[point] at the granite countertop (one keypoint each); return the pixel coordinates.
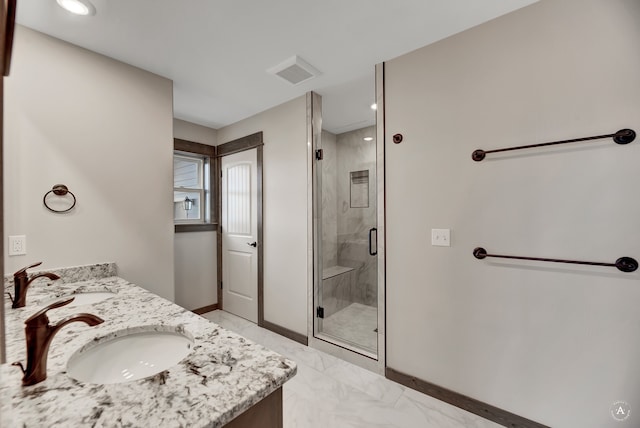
(224, 374)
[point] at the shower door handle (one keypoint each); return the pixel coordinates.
(373, 252)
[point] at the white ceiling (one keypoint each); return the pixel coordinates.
(217, 51)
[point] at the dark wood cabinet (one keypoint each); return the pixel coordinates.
(7, 21)
(267, 413)
(7, 25)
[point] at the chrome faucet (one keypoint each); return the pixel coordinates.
(21, 282)
(39, 334)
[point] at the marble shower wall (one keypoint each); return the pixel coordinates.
(353, 224)
(345, 229)
(337, 285)
(329, 201)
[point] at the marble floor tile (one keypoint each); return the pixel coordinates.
(370, 383)
(329, 392)
(229, 321)
(298, 352)
(416, 408)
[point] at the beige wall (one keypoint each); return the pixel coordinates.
(104, 129)
(554, 343)
(196, 269)
(194, 132)
(285, 209)
(195, 253)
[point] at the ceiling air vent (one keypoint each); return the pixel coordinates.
(294, 70)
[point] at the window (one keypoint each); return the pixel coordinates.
(189, 192)
(193, 187)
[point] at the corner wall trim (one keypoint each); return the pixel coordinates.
(469, 404)
(289, 334)
(206, 309)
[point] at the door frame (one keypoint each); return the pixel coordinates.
(7, 27)
(250, 142)
(314, 225)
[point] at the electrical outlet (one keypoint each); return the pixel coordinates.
(441, 237)
(17, 245)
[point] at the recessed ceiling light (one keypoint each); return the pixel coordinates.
(374, 106)
(368, 138)
(78, 7)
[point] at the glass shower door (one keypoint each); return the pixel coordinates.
(347, 262)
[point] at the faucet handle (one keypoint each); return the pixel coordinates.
(23, 271)
(40, 317)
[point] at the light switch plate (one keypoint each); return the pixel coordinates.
(17, 245)
(441, 237)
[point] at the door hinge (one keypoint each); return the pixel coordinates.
(320, 312)
(319, 154)
(220, 285)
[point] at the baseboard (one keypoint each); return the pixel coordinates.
(289, 334)
(469, 404)
(206, 309)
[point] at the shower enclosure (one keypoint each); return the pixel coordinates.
(346, 297)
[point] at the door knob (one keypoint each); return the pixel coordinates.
(252, 244)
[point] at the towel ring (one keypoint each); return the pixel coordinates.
(59, 190)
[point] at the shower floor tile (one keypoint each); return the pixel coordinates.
(356, 324)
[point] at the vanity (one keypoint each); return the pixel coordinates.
(224, 379)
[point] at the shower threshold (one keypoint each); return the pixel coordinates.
(336, 341)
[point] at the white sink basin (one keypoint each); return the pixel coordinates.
(129, 355)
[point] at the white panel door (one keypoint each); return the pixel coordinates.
(239, 234)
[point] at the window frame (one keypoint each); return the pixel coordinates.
(203, 163)
(208, 153)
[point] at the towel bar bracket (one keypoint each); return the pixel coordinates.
(624, 136)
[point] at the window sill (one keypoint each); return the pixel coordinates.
(182, 228)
